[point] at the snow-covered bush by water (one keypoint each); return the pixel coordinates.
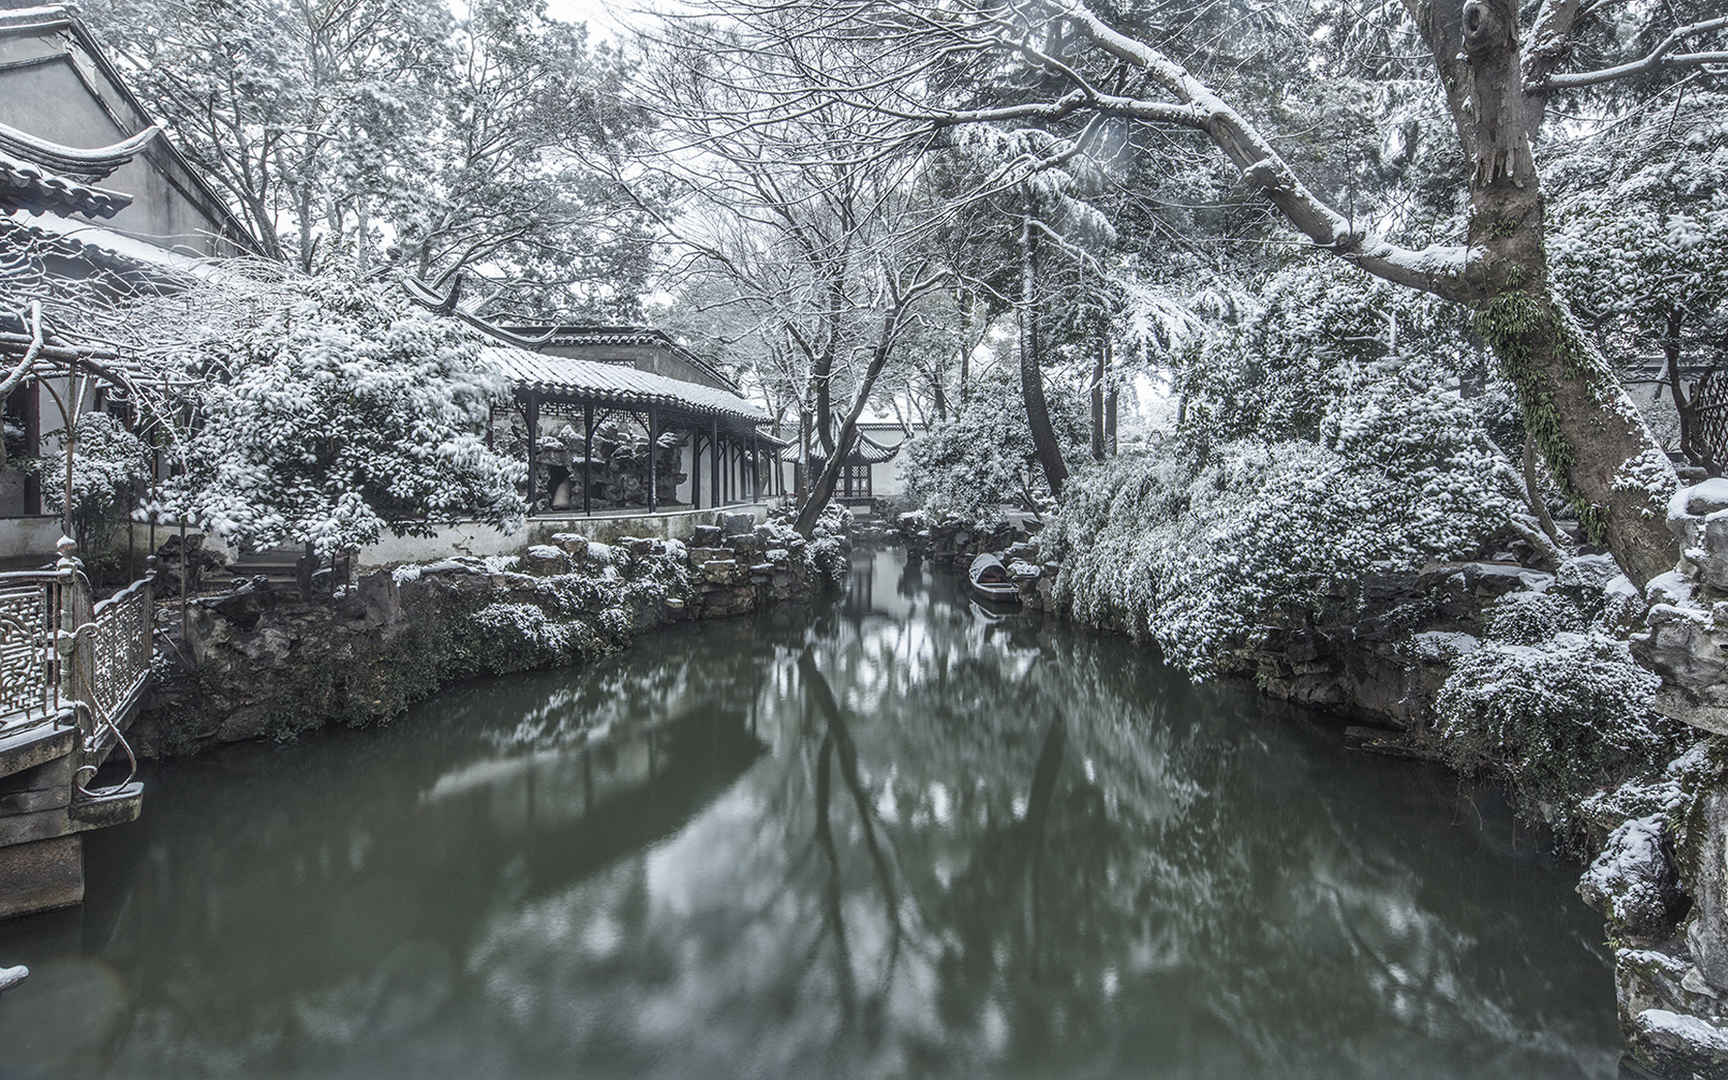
(1559, 718)
(982, 458)
(1303, 466)
(328, 412)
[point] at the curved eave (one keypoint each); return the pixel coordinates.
(867, 451)
(93, 163)
(32, 188)
(627, 399)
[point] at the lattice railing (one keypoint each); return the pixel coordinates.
(29, 615)
(122, 647)
(56, 649)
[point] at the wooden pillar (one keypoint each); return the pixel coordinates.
(695, 469)
(531, 409)
(587, 455)
(32, 444)
(714, 464)
(653, 459)
(755, 469)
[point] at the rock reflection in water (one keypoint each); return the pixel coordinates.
(899, 837)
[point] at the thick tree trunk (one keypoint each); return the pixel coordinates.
(823, 485)
(1588, 429)
(1031, 371)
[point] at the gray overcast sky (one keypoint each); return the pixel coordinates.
(605, 18)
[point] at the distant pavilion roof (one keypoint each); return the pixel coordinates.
(619, 384)
(867, 451)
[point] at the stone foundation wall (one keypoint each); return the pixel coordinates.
(262, 663)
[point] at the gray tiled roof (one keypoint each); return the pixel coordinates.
(618, 384)
(34, 188)
(867, 451)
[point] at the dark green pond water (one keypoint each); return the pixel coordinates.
(1017, 850)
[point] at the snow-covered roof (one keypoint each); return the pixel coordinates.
(34, 188)
(867, 451)
(87, 163)
(80, 239)
(581, 334)
(620, 384)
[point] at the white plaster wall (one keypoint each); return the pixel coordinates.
(31, 536)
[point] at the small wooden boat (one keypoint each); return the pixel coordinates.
(990, 581)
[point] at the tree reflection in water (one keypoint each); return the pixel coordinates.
(897, 837)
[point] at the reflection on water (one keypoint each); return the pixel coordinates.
(902, 837)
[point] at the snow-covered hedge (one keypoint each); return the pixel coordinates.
(328, 412)
(982, 457)
(1196, 557)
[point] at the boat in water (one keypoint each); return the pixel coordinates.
(990, 583)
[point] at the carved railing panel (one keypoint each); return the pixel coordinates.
(122, 647)
(27, 683)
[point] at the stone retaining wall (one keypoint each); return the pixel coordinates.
(262, 663)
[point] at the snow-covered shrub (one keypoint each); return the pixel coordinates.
(1559, 719)
(1633, 881)
(835, 520)
(1530, 618)
(329, 411)
(517, 637)
(982, 457)
(1310, 492)
(107, 460)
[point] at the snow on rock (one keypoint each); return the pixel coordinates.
(1673, 588)
(1440, 645)
(1698, 500)
(1685, 1044)
(1633, 882)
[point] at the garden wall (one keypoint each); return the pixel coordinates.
(261, 662)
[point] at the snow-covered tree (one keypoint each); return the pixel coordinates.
(1640, 246)
(983, 457)
(328, 413)
(1075, 68)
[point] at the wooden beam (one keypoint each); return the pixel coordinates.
(695, 469)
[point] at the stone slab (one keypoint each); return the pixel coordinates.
(41, 876)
